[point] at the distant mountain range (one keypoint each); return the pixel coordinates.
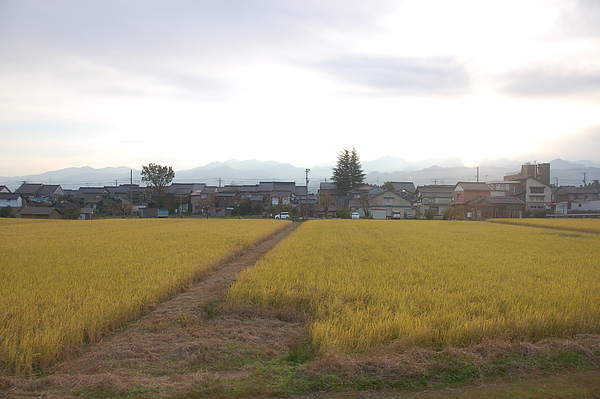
(432, 171)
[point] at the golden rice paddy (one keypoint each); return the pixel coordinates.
(373, 284)
(584, 225)
(64, 283)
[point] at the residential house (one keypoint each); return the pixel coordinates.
(536, 194)
(402, 187)
(433, 198)
(180, 194)
(465, 191)
(128, 198)
(227, 200)
(91, 197)
(578, 207)
(12, 200)
(329, 200)
(278, 193)
(40, 212)
(41, 193)
(482, 208)
(383, 203)
(204, 199)
(28, 190)
(571, 193)
(359, 198)
(505, 188)
(4, 189)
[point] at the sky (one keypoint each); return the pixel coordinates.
(184, 83)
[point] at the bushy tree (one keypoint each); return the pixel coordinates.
(348, 172)
(158, 177)
(6, 212)
(344, 213)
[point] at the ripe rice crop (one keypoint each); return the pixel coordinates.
(429, 283)
(63, 283)
(584, 225)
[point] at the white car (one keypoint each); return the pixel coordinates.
(283, 215)
(355, 215)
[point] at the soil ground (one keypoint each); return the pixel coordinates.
(194, 346)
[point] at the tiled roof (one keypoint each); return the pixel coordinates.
(37, 210)
(28, 188)
(10, 196)
(471, 186)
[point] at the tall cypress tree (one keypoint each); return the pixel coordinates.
(357, 176)
(348, 172)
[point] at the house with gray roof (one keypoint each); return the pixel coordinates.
(435, 199)
(482, 208)
(41, 193)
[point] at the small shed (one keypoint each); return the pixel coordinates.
(86, 213)
(40, 212)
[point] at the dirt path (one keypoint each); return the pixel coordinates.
(187, 341)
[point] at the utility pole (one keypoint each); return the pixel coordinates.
(306, 198)
(131, 193)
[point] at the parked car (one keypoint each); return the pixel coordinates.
(396, 215)
(283, 215)
(355, 215)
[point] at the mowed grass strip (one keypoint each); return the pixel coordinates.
(64, 283)
(582, 225)
(429, 283)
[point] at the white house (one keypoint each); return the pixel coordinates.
(11, 199)
(536, 194)
(578, 206)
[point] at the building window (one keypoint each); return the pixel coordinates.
(536, 190)
(388, 201)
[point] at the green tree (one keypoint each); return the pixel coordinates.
(388, 185)
(348, 172)
(6, 212)
(71, 213)
(158, 177)
(344, 213)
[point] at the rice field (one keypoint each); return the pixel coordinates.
(64, 283)
(372, 284)
(583, 225)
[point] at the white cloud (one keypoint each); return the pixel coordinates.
(187, 83)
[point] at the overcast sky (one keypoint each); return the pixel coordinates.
(183, 83)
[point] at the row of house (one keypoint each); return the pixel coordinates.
(527, 191)
(518, 194)
(36, 200)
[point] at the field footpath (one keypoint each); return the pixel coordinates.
(188, 341)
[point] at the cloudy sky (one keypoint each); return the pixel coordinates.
(183, 83)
